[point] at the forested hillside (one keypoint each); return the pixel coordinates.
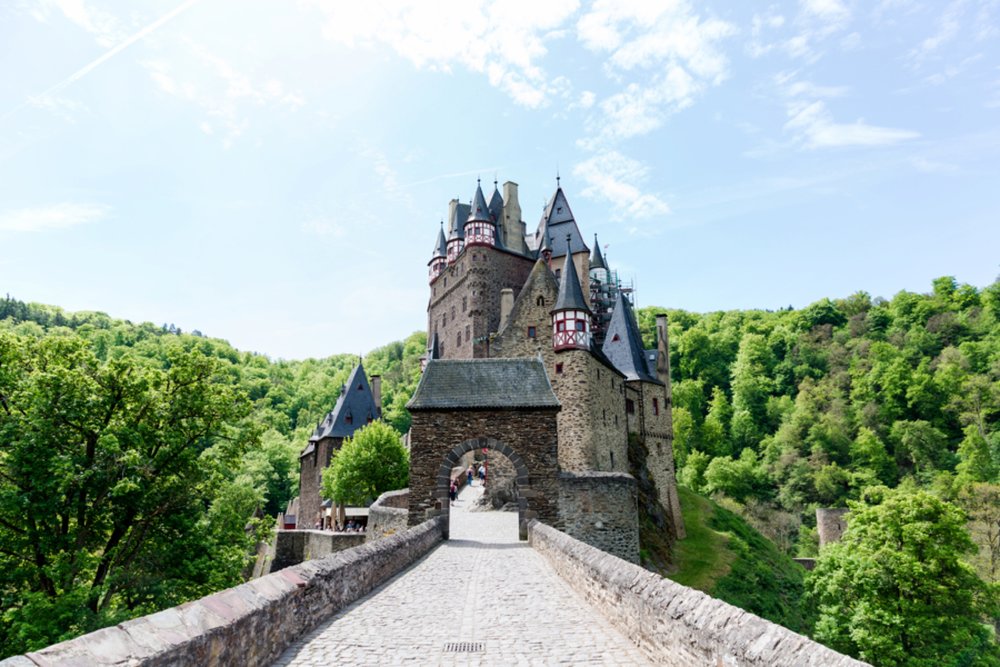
(140, 464)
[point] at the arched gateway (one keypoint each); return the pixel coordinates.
(506, 405)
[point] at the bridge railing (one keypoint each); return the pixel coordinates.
(675, 626)
(251, 624)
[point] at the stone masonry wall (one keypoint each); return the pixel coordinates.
(599, 508)
(311, 468)
(292, 547)
(465, 299)
(830, 524)
(592, 433)
(251, 624)
(527, 437)
(388, 515)
(653, 424)
(676, 626)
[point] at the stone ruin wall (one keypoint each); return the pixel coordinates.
(251, 624)
(599, 508)
(676, 626)
(830, 524)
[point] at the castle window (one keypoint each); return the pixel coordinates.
(559, 369)
(458, 339)
(348, 419)
(540, 301)
(630, 406)
(615, 338)
(465, 305)
(453, 312)
(531, 332)
(360, 387)
(579, 325)
(446, 281)
(558, 273)
(612, 455)
(656, 406)
(467, 335)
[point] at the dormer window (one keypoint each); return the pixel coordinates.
(348, 419)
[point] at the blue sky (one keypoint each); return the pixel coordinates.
(273, 173)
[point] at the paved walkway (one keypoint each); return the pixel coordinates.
(482, 588)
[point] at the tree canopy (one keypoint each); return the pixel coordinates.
(367, 465)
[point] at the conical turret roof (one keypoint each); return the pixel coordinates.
(440, 245)
(623, 343)
(597, 259)
(570, 293)
(480, 212)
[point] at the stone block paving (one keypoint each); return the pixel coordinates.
(481, 588)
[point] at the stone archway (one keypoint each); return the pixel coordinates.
(523, 479)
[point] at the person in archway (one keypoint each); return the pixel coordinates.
(468, 475)
(482, 475)
(453, 492)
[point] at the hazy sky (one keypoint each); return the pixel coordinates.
(273, 173)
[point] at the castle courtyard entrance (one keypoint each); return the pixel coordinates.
(505, 406)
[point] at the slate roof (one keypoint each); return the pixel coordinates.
(652, 356)
(623, 344)
(597, 259)
(496, 204)
(570, 293)
(434, 349)
(456, 226)
(558, 218)
(356, 401)
(479, 212)
(440, 245)
(483, 383)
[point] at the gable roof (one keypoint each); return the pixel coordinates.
(570, 293)
(484, 383)
(540, 279)
(558, 219)
(355, 401)
(623, 343)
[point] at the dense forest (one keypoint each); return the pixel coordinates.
(139, 463)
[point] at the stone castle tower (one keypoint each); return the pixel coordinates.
(499, 292)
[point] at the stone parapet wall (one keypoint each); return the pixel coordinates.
(388, 515)
(292, 547)
(599, 508)
(675, 626)
(251, 624)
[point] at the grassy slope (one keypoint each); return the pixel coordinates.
(726, 558)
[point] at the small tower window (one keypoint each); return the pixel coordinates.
(540, 301)
(630, 406)
(458, 340)
(465, 305)
(348, 419)
(531, 332)
(559, 369)
(468, 335)
(656, 406)
(612, 455)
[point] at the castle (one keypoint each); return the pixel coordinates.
(509, 308)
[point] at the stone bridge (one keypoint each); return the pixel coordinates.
(480, 597)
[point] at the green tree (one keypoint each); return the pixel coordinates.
(895, 590)
(368, 464)
(106, 471)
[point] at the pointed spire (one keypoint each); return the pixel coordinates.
(597, 259)
(480, 212)
(570, 291)
(496, 205)
(440, 245)
(434, 349)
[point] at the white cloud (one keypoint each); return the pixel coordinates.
(107, 29)
(55, 216)
(323, 227)
(948, 27)
(615, 178)
(672, 49)
(224, 93)
(503, 39)
(833, 11)
(813, 126)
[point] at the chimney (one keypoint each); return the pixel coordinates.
(506, 303)
(512, 224)
(377, 394)
(663, 348)
(452, 208)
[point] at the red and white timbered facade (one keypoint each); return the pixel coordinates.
(571, 329)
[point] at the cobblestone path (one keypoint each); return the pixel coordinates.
(480, 587)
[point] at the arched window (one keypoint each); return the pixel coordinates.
(540, 301)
